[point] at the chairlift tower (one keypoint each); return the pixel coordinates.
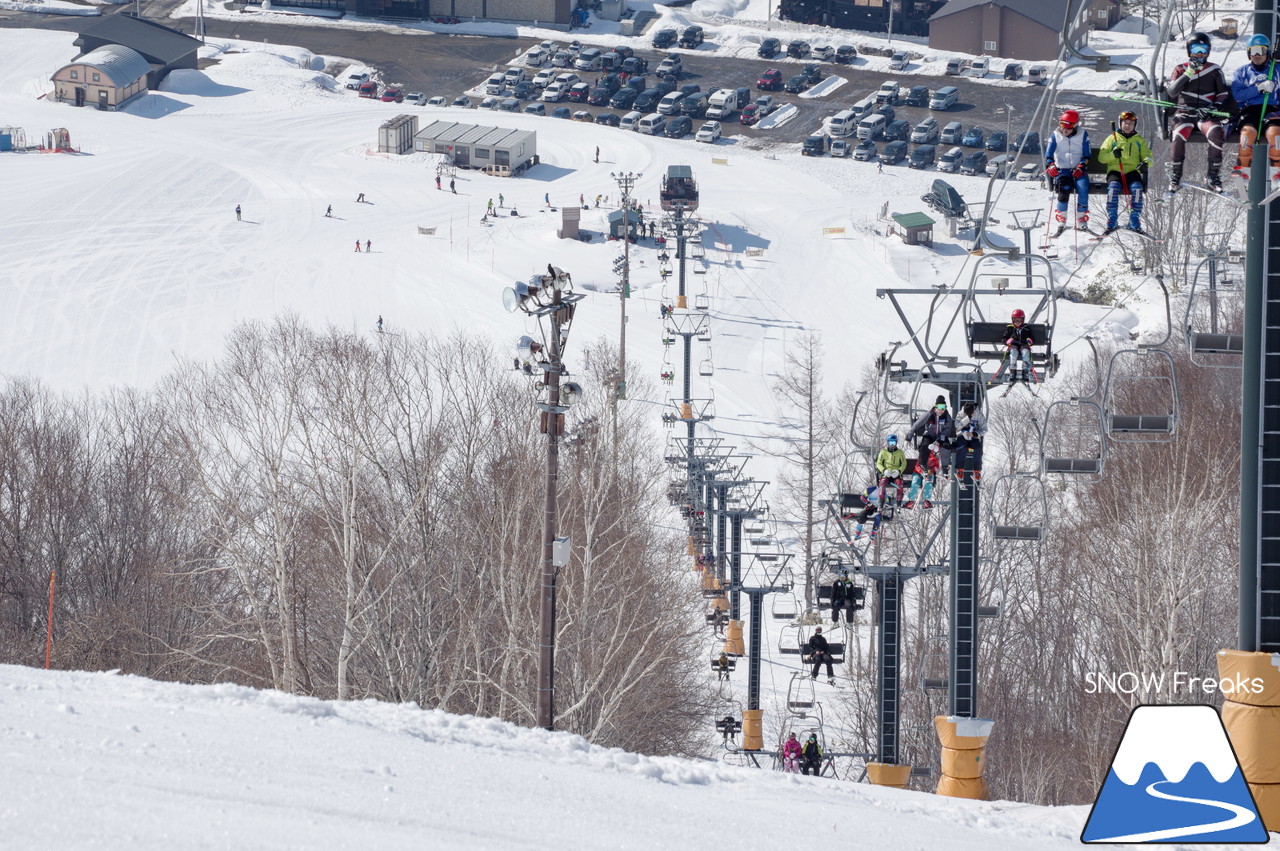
(753, 716)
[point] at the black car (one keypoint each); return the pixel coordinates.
(678, 127)
(633, 65)
(523, 90)
(918, 96)
(974, 163)
(665, 84)
(796, 84)
(898, 130)
(599, 96)
(1013, 71)
(647, 101)
(812, 71)
(612, 82)
(664, 38)
(997, 141)
(769, 48)
(626, 52)
(894, 152)
(1029, 142)
(694, 105)
(691, 37)
(690, 89)
(846, 53)
(799, 49)
(887, 111)
(608, 119)
(623, 98)
(637, 82)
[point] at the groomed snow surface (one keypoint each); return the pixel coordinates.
(101, 761)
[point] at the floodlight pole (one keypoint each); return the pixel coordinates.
(551, 425)
(625, 181)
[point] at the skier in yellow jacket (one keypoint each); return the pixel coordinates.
(891, 463)
(1126, 156)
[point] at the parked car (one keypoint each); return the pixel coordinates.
(630, 120)
(922, 157)
(823, 53)
(691, 37)
(393, 94)
(898, 61)
(813, 71)
(997, 141)
(567, 78)
(690, 89)
(888, 92)
(562, 59)
(798, 49)
(524, 90)
(670, 103)
(952, 134)
(440, 100)
(599, 96)
(555, 93)
(816, 145)
(945, 98)
(647, 101)
(544, 77)
(974, 162)
(1028, 142)
(368, 89)
(415, 98)
(510, 105)
(898, 130)
(1013, 71)
(974, 137)
(581, 115)
(678, 127)
(608, 119)
(1030, 171)
(926, 131)
(894, 152)
(695, 105)
(536, 109)
(513, 76)
(955, 67)
(462, 102)
(612, 82)
(770, 81)
(750, 115)
(885, 110)
(865, 151)
(769, 48)
(1000, 166)
(841, 148)
(491, 102)
(665, 85)
(950, 161)
(579, 92)
(664, 38)
(1037, 75)
(610, 61)
(671, 65)
(560, 112)
(918, 96)
(980, 66)
(766, 104)
(354, 80)
(623, 98)
(623, 50)
(635, 65)
(796, 84)
(846, 53)
(708, 132)
(638, 82)
(1128, 84)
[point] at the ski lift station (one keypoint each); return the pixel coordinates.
(494, 150)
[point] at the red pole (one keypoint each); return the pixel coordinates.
(48, 645)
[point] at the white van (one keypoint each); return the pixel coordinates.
(631, 120)
(537, 58)
(980, 66)
(493, 85)
(652, 124)
(864, 107)
(950, 161)
(872, 127)
(589, 59)
(843, 123)
(670, 103)
(513, 76)
(945, 98)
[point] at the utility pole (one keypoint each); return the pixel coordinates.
(626, 181)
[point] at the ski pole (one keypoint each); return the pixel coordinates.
(1124, 180)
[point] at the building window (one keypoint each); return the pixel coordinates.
(442, 148)
(482, 153)
(75, 75)
(988, 45)
(97, 78)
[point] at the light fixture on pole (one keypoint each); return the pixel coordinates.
(548, 296)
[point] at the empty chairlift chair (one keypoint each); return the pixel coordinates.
(1073, 439)
(701, 301)
(800, 694)
(1019, 508)
(1141, 395)
(784, 607)
(1214, 307)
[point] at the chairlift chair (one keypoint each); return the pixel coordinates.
(706, 369)
(704, 332)
(1073, 439)
(935, 658)
(1019, 508)
(784, 607)
(1143, 424)
(1212, 307)
(800, 694)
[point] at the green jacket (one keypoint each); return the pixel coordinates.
(1120, 153)
(895, 460)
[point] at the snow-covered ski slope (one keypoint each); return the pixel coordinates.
(112, 762)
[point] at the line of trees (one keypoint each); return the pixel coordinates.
(328, 515)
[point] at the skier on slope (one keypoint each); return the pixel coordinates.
(938, 428)
(791, 751)
(1126, 156)
(1018, 342)
(1253, 86)
(1197, 87)
(972, 427)
(924, 473)
(891, 463)
(1065, 159)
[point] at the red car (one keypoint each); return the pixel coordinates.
(393, 94)
(750, 114)
(770, 81)
(368, 89)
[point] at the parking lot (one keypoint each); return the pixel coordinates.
(448, 65)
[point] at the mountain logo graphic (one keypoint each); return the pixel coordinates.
(1174, 778)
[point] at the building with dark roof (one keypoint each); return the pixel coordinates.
(553, 13)
(1013, 29)
(909, 17)
(121, 57)
(494, 150)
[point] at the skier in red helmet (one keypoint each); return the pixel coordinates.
(1065, 158)
(1018, 342)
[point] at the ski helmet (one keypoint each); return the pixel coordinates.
(1127, 115)
(1070, 119)
(1259, 45)
(1018, 316)
(1198, 44)
(892, 440)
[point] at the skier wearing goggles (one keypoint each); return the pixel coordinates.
(1199, 88)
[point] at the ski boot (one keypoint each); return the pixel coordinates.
(926, 504)
(1215, 178)
(911, 503)
(1059, 219)
(1175, 178)
(857, 535)
(1082, 221)
(977, 479)
(960, 480)
(1110, 229)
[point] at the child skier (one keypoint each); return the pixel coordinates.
(1253, 86)
(891, 463)
(1198, 86)
(925, 473)
(972, 427)
(870, 508)
(791, 755)
(1018, 343)
(1126, 156)
(1065, 158)
(938, 428)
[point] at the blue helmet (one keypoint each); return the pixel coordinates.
(1257, 41)
(891, 440)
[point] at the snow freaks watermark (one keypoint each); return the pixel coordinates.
(1175, 683)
